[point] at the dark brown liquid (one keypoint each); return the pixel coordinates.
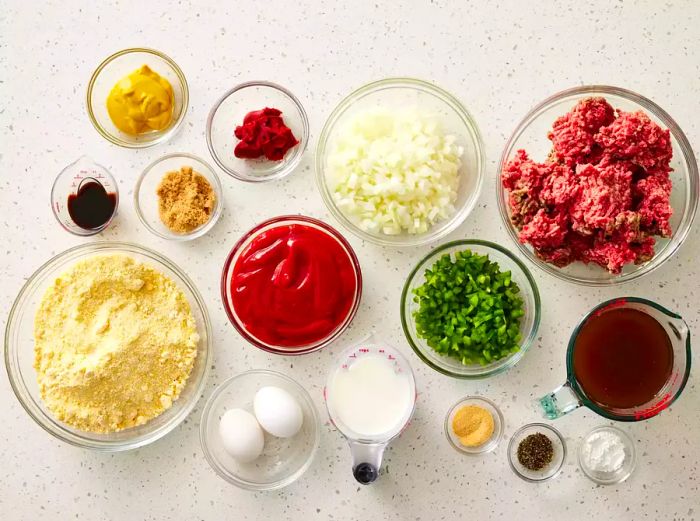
(92, 206)
(622, 358)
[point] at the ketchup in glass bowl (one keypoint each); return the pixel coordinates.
(291, 285)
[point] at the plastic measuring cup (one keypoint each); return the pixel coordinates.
(367, 450)
(68, 182)
(570, 395)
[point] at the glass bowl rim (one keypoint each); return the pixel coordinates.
(54, 187)
(553, 431)
(494, 440)
(677, 133)
(164, 135)
(302, 219)
(242, 483)
(460, 214)
(51, 425)
(629, 444)
(284, 170)
(526, 343)
(197, 232)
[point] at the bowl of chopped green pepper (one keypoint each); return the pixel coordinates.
(470, 309)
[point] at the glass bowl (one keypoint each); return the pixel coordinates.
(19, 350)
(498, 425)
(283, 460)
(228, 112)
(621, 474)
(113, 69)
(455, 119)
(531, 135)
(246, 239)
(68, 182)
(146, 199)
(555, 466)
(528, 324)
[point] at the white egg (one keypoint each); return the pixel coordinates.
(278, 412)
(241, 435)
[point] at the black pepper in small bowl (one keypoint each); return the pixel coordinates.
(536, 452)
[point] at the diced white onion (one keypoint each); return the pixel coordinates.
(395, 171)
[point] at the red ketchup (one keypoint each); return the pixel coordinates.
(293, 285)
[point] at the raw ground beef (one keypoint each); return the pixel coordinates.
(603, 193)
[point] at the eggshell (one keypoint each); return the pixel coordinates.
(278, 412)
(241, 435)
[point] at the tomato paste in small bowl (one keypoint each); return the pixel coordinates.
(291, 285)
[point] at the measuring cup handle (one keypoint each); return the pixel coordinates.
(559, 402)
(366, 460)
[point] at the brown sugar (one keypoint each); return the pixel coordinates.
(186, 200)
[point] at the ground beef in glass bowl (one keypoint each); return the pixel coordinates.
(598, 185)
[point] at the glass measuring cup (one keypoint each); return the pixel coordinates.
(367, 450)
(69, 181)
(570, 395)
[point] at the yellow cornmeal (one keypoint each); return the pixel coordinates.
(115, 341)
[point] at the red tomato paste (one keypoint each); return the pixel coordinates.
(263, 133)
(293, 285)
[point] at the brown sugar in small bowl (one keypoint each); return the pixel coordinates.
(146, 198)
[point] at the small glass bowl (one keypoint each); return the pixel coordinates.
(555, 466)
(531, 135)
(68, 182)
(19, 350)
(227, 274)
(395, 93)
(621, 474)
(528, 324)
(146, 199)
(228, 112)
(283, 460)
(113, 69)
(498, 424)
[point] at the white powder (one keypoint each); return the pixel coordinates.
(604, 451)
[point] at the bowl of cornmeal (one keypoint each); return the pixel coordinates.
(107, 346)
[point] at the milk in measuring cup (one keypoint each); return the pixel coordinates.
(370, 397)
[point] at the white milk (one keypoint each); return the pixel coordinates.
(369, 397)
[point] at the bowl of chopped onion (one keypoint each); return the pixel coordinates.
(400, 162)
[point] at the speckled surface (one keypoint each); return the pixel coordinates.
(499, 60)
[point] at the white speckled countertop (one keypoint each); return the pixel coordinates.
(499, 58)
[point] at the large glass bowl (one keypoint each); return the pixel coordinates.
(19, 351)
(239, 247)
(113, 69)
(396, 93)
(531, 135)
(528, 323)
(283, 460)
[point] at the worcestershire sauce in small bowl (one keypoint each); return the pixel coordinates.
(622, 358)
(91, 206)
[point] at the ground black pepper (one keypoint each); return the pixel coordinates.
(535, 452)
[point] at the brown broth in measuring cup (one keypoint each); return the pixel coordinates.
(622, 358)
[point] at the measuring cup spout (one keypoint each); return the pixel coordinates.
(559, 402)
(366, 460)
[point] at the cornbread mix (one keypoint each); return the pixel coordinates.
(115, 341)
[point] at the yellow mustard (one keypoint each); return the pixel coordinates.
(141, 102)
